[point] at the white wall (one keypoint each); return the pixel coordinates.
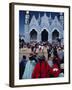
(4, 46)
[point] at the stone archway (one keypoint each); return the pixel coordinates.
(33, 35)
(44, 35)
(55, 34)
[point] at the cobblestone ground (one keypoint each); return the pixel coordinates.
(27, 51)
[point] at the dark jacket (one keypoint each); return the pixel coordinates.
(22, 68)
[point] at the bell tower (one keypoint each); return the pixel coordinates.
(62, 19)
(27, 17)
(26, 27)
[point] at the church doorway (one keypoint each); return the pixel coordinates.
(44, 35)
(33, 35)
(55, 35)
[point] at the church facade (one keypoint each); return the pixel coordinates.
(43, 28)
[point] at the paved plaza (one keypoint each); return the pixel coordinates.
(27, 51)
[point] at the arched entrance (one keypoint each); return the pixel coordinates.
(33, 35)
(44, 35)
(55, 35)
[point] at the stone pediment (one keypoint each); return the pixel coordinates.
(44, 20)
(33, 21)
(56, 23)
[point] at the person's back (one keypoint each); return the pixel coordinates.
(55, 51)
(60, 54)
(50, 60)
(32, 48)
(22, 66)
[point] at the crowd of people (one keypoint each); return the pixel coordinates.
(38, 66)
